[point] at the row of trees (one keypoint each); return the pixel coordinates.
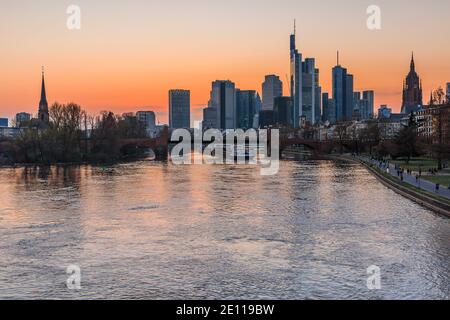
(407, 143)
(74, 136)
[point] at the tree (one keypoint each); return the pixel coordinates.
(438, 97)
(407, 139)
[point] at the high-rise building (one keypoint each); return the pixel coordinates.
(358, 106)
(305, 88)
(43, 105)
(342, 93)
(369, 104)
(310, 91)
(283, 110)
(266, 118)
(318, 99)
(296, 80)
(246, 107)
(148, 118)
(223, 99)
(22, 118)
(328, 109)
(179, 109)
(412, 90)
(209, 118)
(272, 88)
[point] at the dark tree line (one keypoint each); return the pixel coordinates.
(73, 136)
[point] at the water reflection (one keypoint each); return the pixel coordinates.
(154, 230)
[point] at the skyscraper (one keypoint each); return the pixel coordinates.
(369, 104)
(412, 90)
(358, 106)
(305, 88)
(310, 91)
(246, 107)
(328, 109)
(283, 112)
(43, 105)
(296, 80)
(179, 108)
(223, 100)
(318, 99)
(342, 93)
(272, 88)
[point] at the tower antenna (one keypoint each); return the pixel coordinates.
(337, 58)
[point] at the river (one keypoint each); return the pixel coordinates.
(151, 230)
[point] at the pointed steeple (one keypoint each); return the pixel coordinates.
(413, 66)
(43, 105)
(43, 95)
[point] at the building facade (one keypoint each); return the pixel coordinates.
(342, 93)
(368, 108)
(296, 80)
(272, 88)
(148, 118)
(283, 109)
(223, 100)
(412, 90)
(22, 118)
(247, 106)
(179, 109)
(328, 109)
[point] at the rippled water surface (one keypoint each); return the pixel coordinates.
(158, 231)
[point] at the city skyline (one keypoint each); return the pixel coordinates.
(126, 80)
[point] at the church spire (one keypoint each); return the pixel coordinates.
(43, 95)
(413, 66)
(43, 105)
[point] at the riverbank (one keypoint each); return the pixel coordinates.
(431, 201)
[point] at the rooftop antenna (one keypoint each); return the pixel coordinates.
(295, 27)
(337, 56)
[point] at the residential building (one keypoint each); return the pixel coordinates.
(3, 122)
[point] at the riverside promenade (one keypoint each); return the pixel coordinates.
(418, 190)
(411, 179)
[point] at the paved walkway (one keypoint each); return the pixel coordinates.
(411, 179)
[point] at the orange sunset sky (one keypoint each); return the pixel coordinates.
(128, 54)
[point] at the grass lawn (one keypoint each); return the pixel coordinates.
(444, 181)
(416, 163)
